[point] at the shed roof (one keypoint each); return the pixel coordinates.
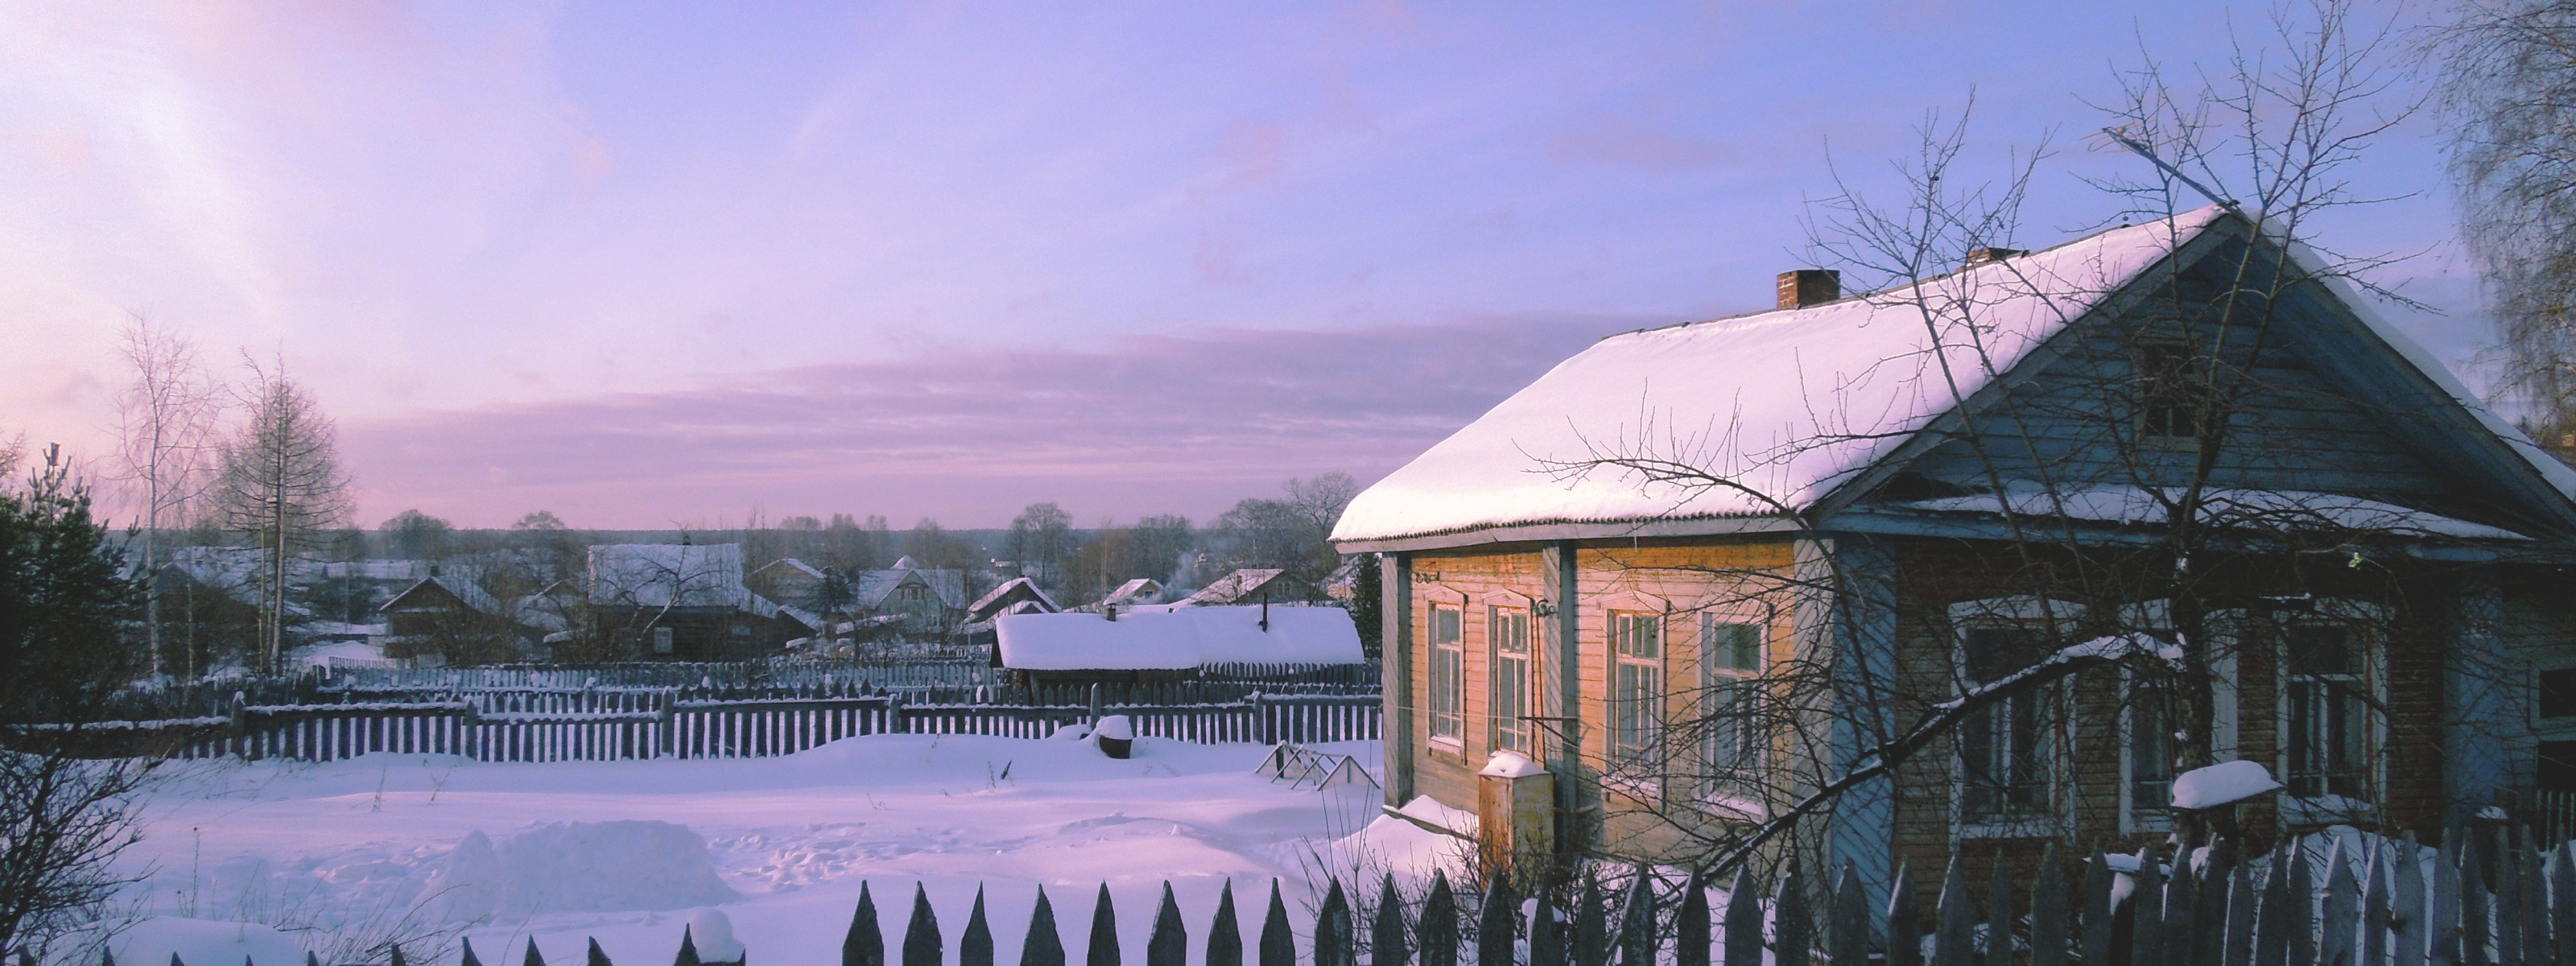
(1177, 640)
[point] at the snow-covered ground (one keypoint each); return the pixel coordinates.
(562, 852)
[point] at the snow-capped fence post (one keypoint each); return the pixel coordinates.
(1261, 719)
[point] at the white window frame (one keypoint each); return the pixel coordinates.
(1720, 786)
(2370, 622)
(1500, 727)
(2056, 815)
(2149, 617)
(1454, 716)
(1658, 613)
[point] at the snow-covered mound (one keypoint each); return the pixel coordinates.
(578, 867)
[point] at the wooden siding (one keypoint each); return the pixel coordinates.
(2075, 420)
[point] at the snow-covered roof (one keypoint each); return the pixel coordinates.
(1787, 405)
(1234, 587)
(460, 586)
(791, 563)
(672, 575)
(1181, 639)
(1011, 588)
(1134, 590)
(870, 587)
(1790, 403)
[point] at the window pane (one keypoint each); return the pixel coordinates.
(1511, 702)
(1996, 652)
(1735, 647)
(2150, 749)
(2557, 693)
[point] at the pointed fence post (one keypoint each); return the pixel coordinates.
(2048, 919)
(1103, 950)
(532, 959)
(2342, 911)
(1793, 931)
(1591, 926)
(2238, 946)
(2303, 907)
(2182, 909)
(2474, 902)
(1999, 917)
(1168, 943)
(2527, 862)
(2208, 940)
(1225, 936)
(1435, 932)
(1743, 940)
(1847, 935)
(1501, 911)
(1546, 933)
(1386, 931)
(1954, 932)
(2272, 914)
(1043, 945)
(975, 948)
(2373, 943)
(2098, 910)
(921, 942)
(1278, 943)
(2443, 926)
(2507, 901)
(1904, 919)
(2408, 915)
(1333, 940)
(688, 950)
(2562, 904)
(2147, 916)
(1636, 942)
(1691, 923)
(864, 945)
(597, 957)
(467, 960)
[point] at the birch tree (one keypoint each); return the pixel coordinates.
(281, 484)
(167, 447)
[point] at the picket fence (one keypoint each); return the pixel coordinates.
(2503, 905)
(757, 727)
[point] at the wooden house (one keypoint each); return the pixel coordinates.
(450, 619)
(929, 601)
(1018, 595)
(682, 603)
(1698, 572)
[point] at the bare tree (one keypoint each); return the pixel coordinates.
(166, 430)
(2123, 517)
(1042, 535)
(281, 484)
(2509, 89)
(1295, 533)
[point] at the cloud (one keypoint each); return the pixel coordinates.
(1148, 424)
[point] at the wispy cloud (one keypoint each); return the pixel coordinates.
(1147, 424)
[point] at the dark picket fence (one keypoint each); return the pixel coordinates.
(736, 728)
(2490, 902)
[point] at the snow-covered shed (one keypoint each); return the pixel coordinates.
(1008, 597)
(1175, 643)
(1935, 484)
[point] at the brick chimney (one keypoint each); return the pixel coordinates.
(1809, 286)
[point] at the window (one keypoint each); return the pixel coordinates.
(2332, 729)
(1448, 678)
(1509, 628)
(1734, 734)
(2149, 704)
(2166, 402)
(1636, 683)
(2007, 752)
(2556, 694)
(661, 640)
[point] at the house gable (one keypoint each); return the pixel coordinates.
(2325, 407)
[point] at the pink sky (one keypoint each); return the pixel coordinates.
(641, 265)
